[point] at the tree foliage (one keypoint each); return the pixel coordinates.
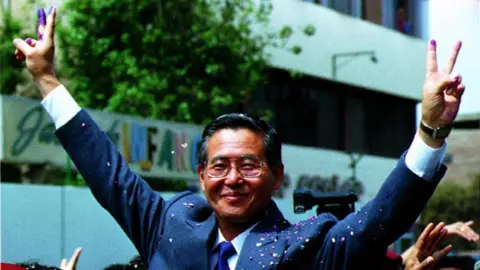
(11, 70)
(178, 60)
(454, 202)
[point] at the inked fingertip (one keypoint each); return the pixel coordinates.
(433, 42)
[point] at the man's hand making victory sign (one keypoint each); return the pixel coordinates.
(39, 54)
(441, 92)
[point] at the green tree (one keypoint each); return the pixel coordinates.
(454, 202)
(11, 70)
(180, 60)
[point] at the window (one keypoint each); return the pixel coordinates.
(372, 11)
(355, 125)
(350, 7)
(403, 17)
(320, 113)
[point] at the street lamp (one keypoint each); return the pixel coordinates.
(350, 55)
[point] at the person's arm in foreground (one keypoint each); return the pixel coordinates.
(128, 198)
(410, 185)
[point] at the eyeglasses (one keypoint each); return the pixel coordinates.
(248, 166)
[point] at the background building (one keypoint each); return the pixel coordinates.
(361, 83)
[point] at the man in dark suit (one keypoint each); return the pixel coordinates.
(239, 166)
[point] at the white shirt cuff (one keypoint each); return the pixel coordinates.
(60, 105)
(423, 160)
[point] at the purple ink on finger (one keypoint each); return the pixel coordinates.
(42, 22)
(42, 17)
(50, 10)
(433, 42)
(29, 41)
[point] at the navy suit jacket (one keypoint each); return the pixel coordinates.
(179, 233)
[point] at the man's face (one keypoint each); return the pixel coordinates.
(236, 197)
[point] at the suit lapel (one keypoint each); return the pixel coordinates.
(199, 244)
(263, 245)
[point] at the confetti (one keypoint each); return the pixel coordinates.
(108, 164)
(342, 239)
(262, 254)
(333, 240)
(351, 233)
(173, 215)
(184, 145)
(189, 205)
(170, 240)
(259, 244)
(83, 124)
(173, 152)
(360, 221)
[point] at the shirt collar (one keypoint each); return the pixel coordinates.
(238, 241)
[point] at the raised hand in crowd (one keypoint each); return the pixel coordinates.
(72, 263)
(463, 230)
(422, 255)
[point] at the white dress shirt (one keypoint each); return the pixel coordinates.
(421, 159)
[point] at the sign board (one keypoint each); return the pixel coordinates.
(152, 148)
(167, 150)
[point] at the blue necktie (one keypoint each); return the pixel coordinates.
(226, 251)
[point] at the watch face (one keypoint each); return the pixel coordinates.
(442, 132)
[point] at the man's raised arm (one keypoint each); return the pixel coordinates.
(129, 199)
(410, 185)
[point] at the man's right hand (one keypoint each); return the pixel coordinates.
(39, 56)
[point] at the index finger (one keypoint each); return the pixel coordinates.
(41, 23)
(73, 261)
(432, 66)
(421, 239)
(469, 223)
(50, 28)
(453, 57)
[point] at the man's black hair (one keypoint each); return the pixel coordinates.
(273, 146)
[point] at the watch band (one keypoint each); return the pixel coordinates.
(436, 133)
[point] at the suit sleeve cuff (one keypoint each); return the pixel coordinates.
(60, 105)
(423, 160)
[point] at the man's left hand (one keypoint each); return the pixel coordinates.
(441, 93)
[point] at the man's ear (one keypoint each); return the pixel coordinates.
(200, 176)
(277, 172)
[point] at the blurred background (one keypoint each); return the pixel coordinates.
(340, 80)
